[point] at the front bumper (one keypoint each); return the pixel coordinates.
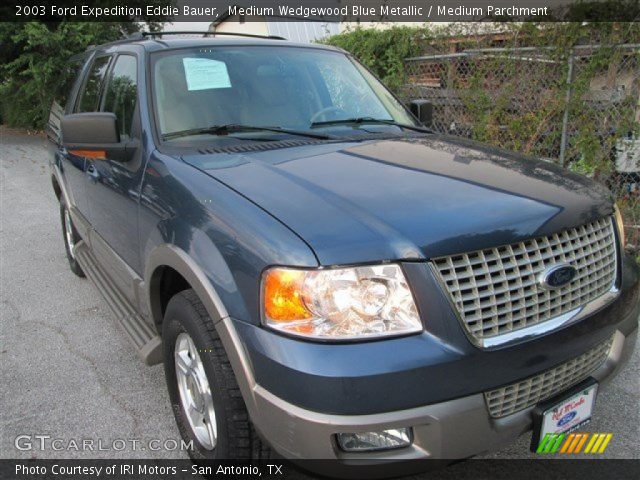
(452, 429)
(300, 394)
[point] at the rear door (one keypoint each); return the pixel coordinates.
(114, 187)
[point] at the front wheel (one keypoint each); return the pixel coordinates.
(204, 394)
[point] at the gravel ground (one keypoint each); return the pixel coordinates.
(67, 371)
(66, 368)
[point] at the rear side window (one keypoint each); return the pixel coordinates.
(93, 84)
(121, 93)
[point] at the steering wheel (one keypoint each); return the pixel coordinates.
(323, 111)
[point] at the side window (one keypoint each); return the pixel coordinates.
(91, 91)
(121, 94)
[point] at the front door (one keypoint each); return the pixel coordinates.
(73, 167)
(114, 185)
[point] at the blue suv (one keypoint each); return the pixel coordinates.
(321, 275)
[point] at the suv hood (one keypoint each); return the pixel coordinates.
(410, 198)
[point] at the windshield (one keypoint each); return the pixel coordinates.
(293, 88)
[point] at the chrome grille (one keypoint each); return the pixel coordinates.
(496, 291)
(520, 395)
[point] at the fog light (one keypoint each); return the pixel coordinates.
(369, 441)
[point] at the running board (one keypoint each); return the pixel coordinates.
(147, 342)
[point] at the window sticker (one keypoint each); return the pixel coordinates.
(204, 73)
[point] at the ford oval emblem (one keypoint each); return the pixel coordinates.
(566, 419)
(557, 276)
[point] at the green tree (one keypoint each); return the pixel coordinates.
(33, 67)
(33, 58)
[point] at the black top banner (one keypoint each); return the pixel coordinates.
(323, 10)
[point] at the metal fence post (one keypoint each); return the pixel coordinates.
(565, 117)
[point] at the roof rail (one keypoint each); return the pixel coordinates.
(209, 33)
(130, 38)
(135, 36)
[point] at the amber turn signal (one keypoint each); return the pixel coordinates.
(97, 154)
(620, 225)
(283, 295)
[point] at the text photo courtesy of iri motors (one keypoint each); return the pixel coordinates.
(310, 239)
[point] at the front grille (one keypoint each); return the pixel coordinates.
(520, 395)
(497, 291)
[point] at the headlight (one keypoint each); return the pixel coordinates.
(339, 304)
(620, 225)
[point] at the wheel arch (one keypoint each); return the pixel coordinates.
(169, 260)
(168, 256)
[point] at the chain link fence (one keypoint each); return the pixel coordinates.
(578, 107)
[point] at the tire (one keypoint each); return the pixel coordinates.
(235, 437)
(71, 237)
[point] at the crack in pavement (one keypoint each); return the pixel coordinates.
(94, 366)
(14, 316)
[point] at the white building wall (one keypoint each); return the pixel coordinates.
(233, 24)
(303, 32)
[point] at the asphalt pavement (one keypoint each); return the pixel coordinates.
(67, 371)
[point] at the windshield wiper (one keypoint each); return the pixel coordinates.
(234, 127)
(361, 120)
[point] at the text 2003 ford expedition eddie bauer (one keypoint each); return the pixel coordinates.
(321, 275)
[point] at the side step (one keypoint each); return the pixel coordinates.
(147, 342)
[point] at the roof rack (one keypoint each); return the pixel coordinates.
(142, 35)
(130, 38)
(209, 33)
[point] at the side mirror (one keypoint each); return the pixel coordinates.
(423, 110)
(95, 135)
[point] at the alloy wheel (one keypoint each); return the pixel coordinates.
(195, 393)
